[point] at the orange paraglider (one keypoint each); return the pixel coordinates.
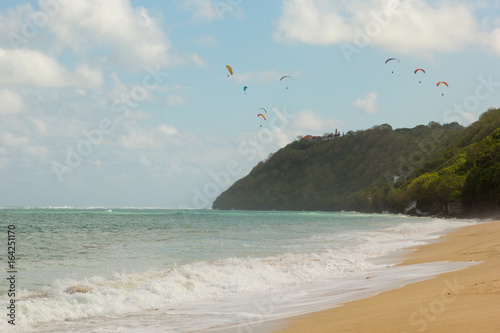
(442, 82)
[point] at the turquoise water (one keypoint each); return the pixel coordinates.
(81, 266)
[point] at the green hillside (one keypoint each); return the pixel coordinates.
(379, 169)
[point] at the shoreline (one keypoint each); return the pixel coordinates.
(466, 300)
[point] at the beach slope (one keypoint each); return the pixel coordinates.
(467, 300)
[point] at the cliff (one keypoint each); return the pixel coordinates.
(380, 169)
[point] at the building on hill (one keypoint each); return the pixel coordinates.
(325, 137)
(306, 138)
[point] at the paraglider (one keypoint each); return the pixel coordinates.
(264, 110)
(445, 83)
(229, 69)
(245, 89)
(261, 115)
(419, 69)
(390, 59)
(286, 77)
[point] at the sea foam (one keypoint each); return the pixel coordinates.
(317, 270)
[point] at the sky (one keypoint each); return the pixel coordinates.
(127, 103)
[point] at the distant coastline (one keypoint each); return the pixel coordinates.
(429, 170)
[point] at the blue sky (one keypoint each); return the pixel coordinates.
(129, 104)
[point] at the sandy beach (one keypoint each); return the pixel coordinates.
(467, 300)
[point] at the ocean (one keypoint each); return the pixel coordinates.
(165, 270)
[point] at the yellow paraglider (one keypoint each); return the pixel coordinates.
(445, 83)
(229, 69)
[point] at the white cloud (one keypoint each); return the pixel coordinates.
(415, 27)
(88, 77)
(310, 122)
(98, 34)
(175, 100)
(29, 68)
(210, 10)
(145, 161)
(10, 140)
(492, 41)
(80, 92)
(132, 35)
(469, 118)
(169, 130)
(39, 125)
(187, 59)
(368, 104)
(37, 152)
(137, 137)
(138, 141)
(11, 102)
(312, 22)
(202, 9)
(429, 27)
(14, 27)
(281, 138)
(176, 95)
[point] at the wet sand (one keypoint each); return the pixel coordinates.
(467, 300)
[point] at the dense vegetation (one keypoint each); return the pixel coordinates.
(380, 169)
